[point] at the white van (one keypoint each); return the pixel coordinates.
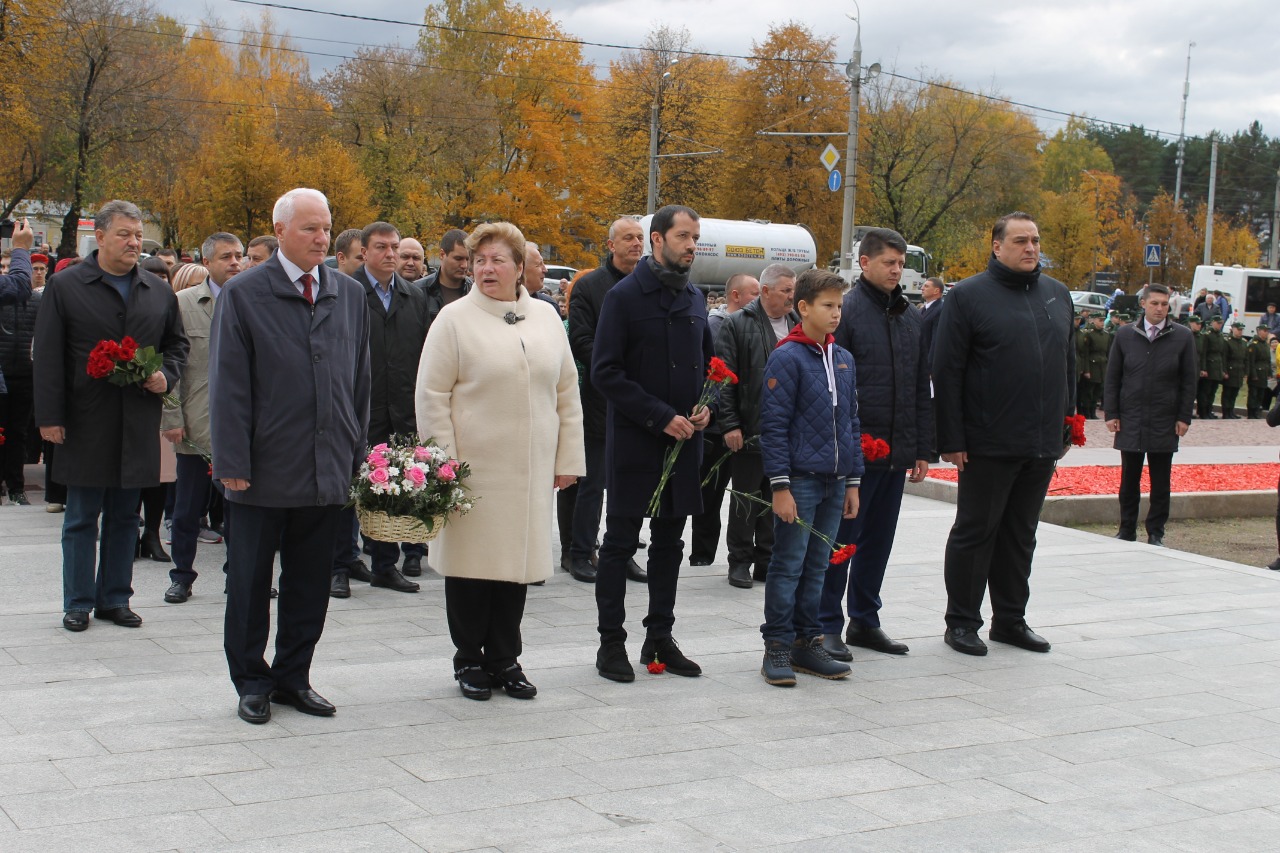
(1248, 288)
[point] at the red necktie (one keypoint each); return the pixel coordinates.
(306, 287)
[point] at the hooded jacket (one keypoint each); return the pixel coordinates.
(809, 412)
(1004, 365)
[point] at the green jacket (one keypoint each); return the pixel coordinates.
(1212, 350)
(1258, 366)
(1237, 361)
(1097, 347)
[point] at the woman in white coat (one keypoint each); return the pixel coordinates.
(498, 389)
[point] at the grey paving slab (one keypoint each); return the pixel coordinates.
(1151, 726)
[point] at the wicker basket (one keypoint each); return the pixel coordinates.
(396, 528)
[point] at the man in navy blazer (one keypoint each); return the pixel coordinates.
(289, 405)
(650, 357)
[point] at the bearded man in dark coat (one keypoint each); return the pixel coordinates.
(652, 349)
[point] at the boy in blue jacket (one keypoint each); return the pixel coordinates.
(809, 437)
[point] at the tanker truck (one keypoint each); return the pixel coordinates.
(727, 247)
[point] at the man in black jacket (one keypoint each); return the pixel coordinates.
(1004, 372)
(1149, 390)
(450, 282)
(626, 246)
(884, 333)
(20, 300)
(397, 327)
(744, 342)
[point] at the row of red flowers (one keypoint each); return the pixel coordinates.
(1105, 479)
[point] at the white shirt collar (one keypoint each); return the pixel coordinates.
(295, 272)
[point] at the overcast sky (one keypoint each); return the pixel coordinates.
(1121, 61)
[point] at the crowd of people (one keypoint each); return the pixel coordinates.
(286, 370)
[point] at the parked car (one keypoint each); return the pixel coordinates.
(1089, 299)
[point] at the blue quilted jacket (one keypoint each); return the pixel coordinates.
(801, 432)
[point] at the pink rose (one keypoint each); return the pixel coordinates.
(447, 473)
(380, 448)
(421, 454)
(416, 475)
(379, 476)
(377, 460)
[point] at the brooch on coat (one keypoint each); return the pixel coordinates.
(512, 318)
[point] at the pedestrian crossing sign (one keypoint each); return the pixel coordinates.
(1153, 254)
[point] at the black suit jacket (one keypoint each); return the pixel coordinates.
(396, 335)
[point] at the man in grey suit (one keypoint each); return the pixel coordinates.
(289, 399)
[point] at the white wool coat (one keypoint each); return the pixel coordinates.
(503, 398)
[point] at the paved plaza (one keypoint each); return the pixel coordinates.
(1154, 724)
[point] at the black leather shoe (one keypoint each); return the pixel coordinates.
(122, 616)
(339, 586)
(635, 572)
(274, 593)
(667, 651)
(177, 593)
(873, 638)
(358, 571)
(1157, 541)
(582, 570)
(612, 663)
(78, 620)
(740, 576)
(306, 700)
(412, 567)
(1125, 536)
(965, 640)
(512, 680)
(394, 580)
(1274, 566)
(1019, 635)
(474, 683)
(254, 708)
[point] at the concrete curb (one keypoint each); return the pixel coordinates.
(1092, 509)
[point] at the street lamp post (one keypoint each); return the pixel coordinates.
(1182, 130)
(652, 203)
(854, 70)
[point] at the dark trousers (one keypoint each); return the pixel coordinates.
(1082, 397)
(191, 496)
(566, 500)
(1229, 395)
(750, 534)
(666, 550)
(484, 621)
(857, 581)
(705, 537)
(1257, 404)
(15, 416)
(586, 512)
(385, 556)
(1205, 391)
(305, 537)
(54, 493)
(1088, 402)
(111, 586)
(1161, 467)
(994, 537)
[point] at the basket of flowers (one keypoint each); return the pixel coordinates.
(407, 492)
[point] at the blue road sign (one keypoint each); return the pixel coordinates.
(833, 180)
(1153, 254)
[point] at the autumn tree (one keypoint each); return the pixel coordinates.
(28, 52)
(1079, 227)
(1068, 153)
(694, 94)
(939, 162)
(790, 84)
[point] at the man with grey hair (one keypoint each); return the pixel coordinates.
(289, 398)
(187, 425)
(109, 434)
(744, 342)
(535, 272)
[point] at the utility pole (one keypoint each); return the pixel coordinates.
(854, 70)
(1275, 227)
(1182, 130)
(1208, 214)
(652, 203)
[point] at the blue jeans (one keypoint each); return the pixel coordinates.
(793, 587)
(111, 586)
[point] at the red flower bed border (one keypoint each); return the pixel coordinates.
(1105, 479)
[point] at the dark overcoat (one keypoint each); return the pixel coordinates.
(1150, 385)
(112, 432)
(396, 335)
(584, 316)
(289, 387)
(650, 358)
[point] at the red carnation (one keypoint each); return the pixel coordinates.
(100, 361)
(1076, 424)
(720, 373)
(128, 348)
(842, 554)
(657, 667)
(874, 448)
